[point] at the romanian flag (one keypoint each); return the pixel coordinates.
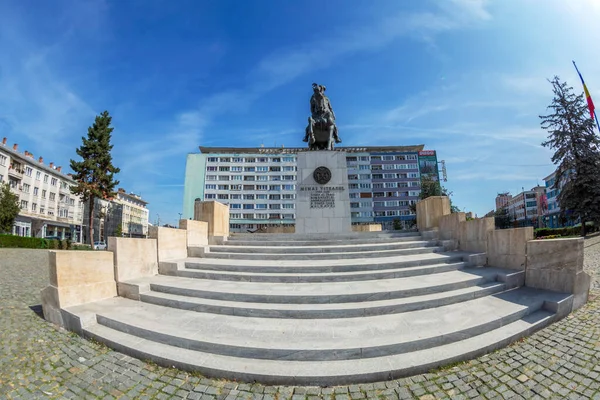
(587, 93)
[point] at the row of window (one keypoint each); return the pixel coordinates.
(251, 159)
(368, 195)
(249, 196)
(62, 212)
(211, 186)
(237, 206)
(273, 168)
(261, 216)
(382, 158)
(379, 204)
(356, 177)
(249, 178)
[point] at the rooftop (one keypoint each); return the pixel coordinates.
(293, 150)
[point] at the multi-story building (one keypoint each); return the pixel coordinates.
(502, 200)
(552, 214)
(134, 221)
(523, 208)
(259, 184)
(48, 208)
(124, 215)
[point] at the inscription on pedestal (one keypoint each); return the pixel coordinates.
(322, 200)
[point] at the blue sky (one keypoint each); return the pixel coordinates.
(464, 77)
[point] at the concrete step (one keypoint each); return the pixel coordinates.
(323, 292)
(319, 248)
(337, 339)
(322, 311)
(323, 256)
(293, 277)
(323, 242)
(323, 266)
(336, 372)
(319, 236)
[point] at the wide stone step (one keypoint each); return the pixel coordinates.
(292, 277)
(338, 339)
(326, 292)
(320, 236)
(323, 256)
(319, 248)
(322, 311)
(337, 372)
(323, 266)
(324, 242)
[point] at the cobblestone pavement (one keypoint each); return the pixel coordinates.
(38, 360)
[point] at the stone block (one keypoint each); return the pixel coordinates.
(507, 248)
(77, 277)
(133, 258)
(449, 225)
(215, 214)
(197, 232)
(78, 268)
(430, 210)
(367, 228)
(557, 265)
(322, 220)
(473, 234)
(171, 242)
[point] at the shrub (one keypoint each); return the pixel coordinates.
(11, 241)
(558, 232)
(53, 244)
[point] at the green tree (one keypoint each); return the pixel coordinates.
(9, 208)
(502, 218)
(576, 153)
(95, 172)
(431, 187)
(119, 231)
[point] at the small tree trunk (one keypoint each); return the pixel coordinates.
(583, 228)
(91, 221)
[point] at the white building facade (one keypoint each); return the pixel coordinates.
(48, 208)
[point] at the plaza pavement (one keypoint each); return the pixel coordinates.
(38, 360)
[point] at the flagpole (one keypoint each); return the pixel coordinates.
(597, 123)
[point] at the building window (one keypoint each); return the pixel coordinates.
(261, 206)
(235, 216)
(388, 158)
(274, 197)
(45, 178)
(275, 188)
(53, 181)
(248, 206)
(237, 169)
(23, 205)
(223, 177)
(354, 195)
(288, 205)
(248, 197)
(237, 159)
(26, 188)
(223, 196)
(223, 187)
(3, 160)
(235, 206)
(211, 186)
(28, 171)
(249, 169)
(250, 159)
(211, 177)
(288, 159)
(43, 194)
(262, 196)
(262, 169)
(213, 159)
(288, 196)
(262, 187)
(288, 187)
(235, 196)
(52, 196)
(211, 168)
(364, 185)
(210, 196)
(262, 178)
(288, 168)
(225, 159)
(38, 174)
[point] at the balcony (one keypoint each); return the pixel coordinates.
(15, 171)
(64, 189)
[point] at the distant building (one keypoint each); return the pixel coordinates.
(552, 214)
(502, 200)
(524, 208)
(126, 212)
(48, 208)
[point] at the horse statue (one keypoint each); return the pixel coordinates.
(321, 132)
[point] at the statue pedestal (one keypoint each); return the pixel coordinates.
(322, 205)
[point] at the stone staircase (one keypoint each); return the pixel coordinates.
(319, 310)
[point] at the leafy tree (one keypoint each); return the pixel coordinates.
(502, 218)
(9, 208)
(119, 231)
(576, 153)
(431, 187)
(95, 173)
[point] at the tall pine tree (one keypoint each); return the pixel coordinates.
(95, 173)
(576, 153)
